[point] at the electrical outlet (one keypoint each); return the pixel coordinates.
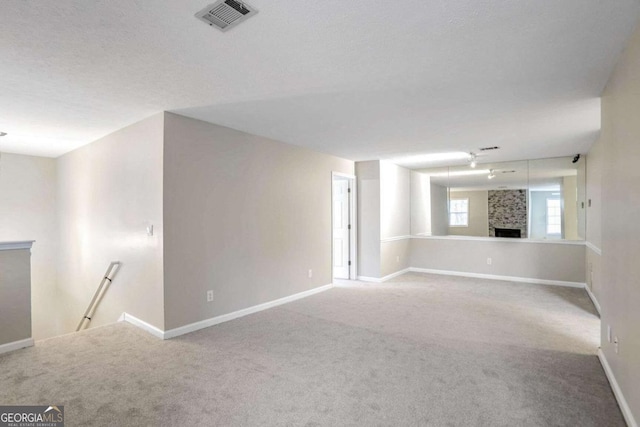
(398, 258)
(489, 261)
(209, 296)
(615, 345)
(310, 274)
(150, 230)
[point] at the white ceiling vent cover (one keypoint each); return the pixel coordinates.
(226, 14)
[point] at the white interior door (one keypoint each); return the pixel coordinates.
(341, 228)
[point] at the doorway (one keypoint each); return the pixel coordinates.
(343, 238)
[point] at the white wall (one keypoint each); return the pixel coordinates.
(28, 212)
(395, 195)
(395, 218)
(108, 193)
(594, 218)
(620, 232)
(368, 177)
(245, 216)
(420, 204)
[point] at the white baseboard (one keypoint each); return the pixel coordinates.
(593, 299)
(622, 402)
(370, 279)
(16, 345)
(126, 317)
(171, 333)
(385, 278)
(496, 277)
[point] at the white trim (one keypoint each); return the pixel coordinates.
(126, 317)
(385, 278)
(594, 248)
(496, 277)
(172, 333)
(16, 345)
(503, 239)
(344, 175)
(595, 302)
(617, 392)
(369, 279)
(393, 239)
(10, 246)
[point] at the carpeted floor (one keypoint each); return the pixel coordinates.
(419, 350)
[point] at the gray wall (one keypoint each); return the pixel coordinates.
(394, 256)
(478, 213)
(547, 261)
(439, 210)
(108, 193)
(28, 212)
(246, 216)
(15, 295)
(620, 209)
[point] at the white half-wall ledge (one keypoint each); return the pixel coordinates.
(502, 240)
(11, 246)
(192, 327)
(617, 391)
(16, 345)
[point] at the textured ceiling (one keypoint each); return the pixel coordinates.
(359, 79)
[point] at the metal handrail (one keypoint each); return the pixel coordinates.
(97, 297)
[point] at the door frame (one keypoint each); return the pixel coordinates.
(353, 220)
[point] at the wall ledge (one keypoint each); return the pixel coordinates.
(502, 239)
(617, 391)
(16, 345)
(393, 239)
(11, 246)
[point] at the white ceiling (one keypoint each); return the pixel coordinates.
(358, 79)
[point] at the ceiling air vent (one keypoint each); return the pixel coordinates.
(226, 14)
(489, 148)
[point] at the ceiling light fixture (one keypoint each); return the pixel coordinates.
(491, 174)
(472, 160)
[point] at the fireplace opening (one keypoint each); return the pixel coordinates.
(508, 232)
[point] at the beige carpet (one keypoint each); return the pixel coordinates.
(419, 350)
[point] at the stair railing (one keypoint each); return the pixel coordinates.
(97, 297)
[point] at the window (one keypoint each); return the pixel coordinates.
(459, 212)
(554, 216)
